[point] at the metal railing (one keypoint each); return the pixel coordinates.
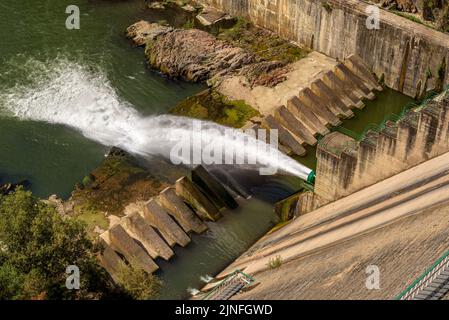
(425, 279)
(229, 280)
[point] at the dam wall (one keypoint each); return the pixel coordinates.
(150, 230)
(407, 56)
(345, 165)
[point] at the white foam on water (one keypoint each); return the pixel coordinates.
(66, 93)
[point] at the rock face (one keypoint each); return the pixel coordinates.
(401, 52)
(195, 55)
(142, 30)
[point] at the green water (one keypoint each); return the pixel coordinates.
(34, 40)
(375, 112)
(54, 158)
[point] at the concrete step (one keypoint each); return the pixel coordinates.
(169, 229)
(139, 229)
(358, 67)
(233, 184)
(306, 116)
(213, 188)
(203, 207)
(176, 207)
(348, 77)
(290, 122)
(332, 101)
(285, 137)
(310, 100)
(332, 80)
(110, 260)
(136, 256)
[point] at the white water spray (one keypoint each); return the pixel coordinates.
(71, 95)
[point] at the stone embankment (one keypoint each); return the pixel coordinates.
(150, 230)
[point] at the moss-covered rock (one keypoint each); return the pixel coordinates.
(211, 105)
(263, 43)
(118, 181)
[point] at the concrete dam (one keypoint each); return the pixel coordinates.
(401, 52)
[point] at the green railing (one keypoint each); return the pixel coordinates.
(394, 117)
(421, 277)
(227, 280)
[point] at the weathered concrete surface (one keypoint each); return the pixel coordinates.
(142, 231)
(123, 243)
(213, 188)
(288, 120)
(421, 134)
(401, 50)
(160, 219)
(419, 196)
(285, 137)
(265, 99)
(110, 260)
(402, 251)
(176, 207)
(197, 200)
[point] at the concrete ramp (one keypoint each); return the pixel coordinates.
(110, 260)
(306, 116)
(332, 101)
(289, 121)
(176, 207)
(142, 231)
(136, 256)
(218, 194)
(204, 208)
(285, 137)
(358, 67)
(159, 218)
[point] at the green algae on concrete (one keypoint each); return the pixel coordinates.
(211, 105)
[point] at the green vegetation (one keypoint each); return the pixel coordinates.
(118, 181)
(275, 263)
(327, 6)
(38, 245)
(262, 43)
(139, 284)
(211, 105)
(411, 17)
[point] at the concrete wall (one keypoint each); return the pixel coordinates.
(345, 165)
(407, 54)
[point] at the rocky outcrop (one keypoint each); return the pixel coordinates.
(142, 31)
(195, 55)
(410, 57)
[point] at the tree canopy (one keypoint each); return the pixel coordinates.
(37, 245)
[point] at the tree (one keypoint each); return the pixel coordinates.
(139, 284)
(37, 245)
